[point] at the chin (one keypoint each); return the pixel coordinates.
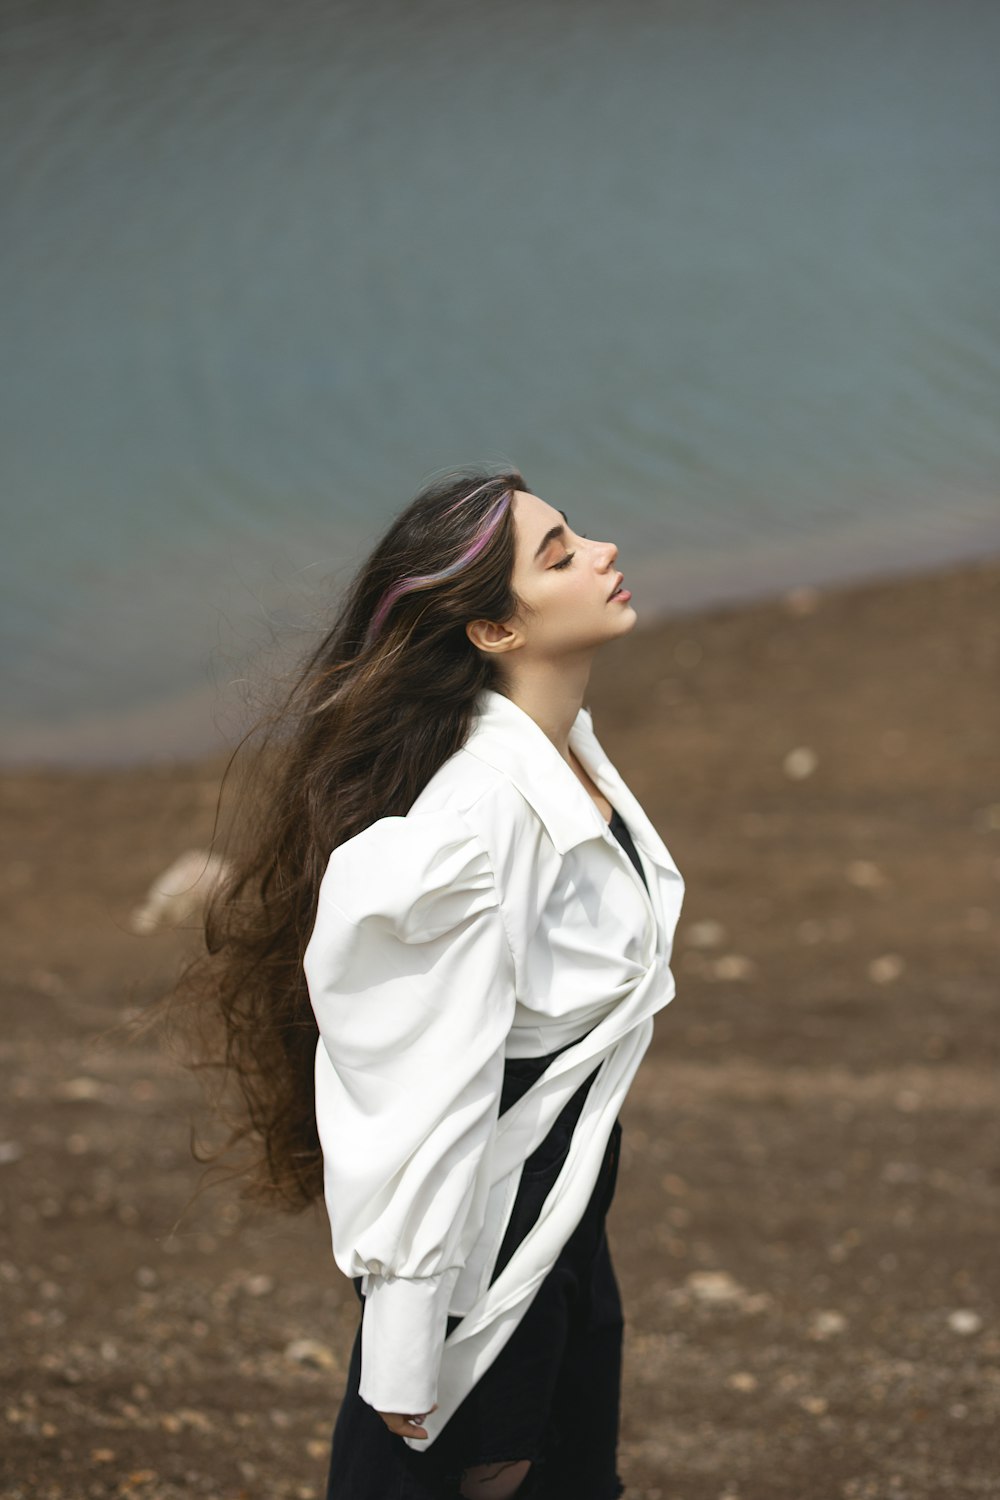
(623, 626)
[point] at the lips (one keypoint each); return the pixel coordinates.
(617, 586)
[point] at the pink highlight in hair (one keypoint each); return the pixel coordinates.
(425, 580)
(464, 499)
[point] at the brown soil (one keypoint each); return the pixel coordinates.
(806, 1215)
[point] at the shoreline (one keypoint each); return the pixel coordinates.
(171, 721)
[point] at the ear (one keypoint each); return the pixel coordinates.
(487, 635)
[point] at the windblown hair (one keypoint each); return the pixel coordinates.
(377, 707)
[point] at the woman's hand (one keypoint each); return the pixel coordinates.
(406, 1425)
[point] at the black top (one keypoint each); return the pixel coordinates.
(620, 830)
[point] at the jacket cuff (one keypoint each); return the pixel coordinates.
(403, 1329)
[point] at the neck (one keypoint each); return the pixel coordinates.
(552, 694)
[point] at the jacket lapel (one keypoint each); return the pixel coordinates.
(507, 738)
(591, 753)
(666, 883)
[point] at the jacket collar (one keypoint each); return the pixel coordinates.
(506, 737)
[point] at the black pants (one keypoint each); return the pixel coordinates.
(552, 1395)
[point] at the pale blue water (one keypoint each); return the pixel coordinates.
(724, 281)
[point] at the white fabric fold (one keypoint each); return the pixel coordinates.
(411, 981)
(402, 1339)
(500, 917)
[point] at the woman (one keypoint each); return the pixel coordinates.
(462, 930)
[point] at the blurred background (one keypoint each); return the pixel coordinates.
(720, 278)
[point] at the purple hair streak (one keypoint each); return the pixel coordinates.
(417, 581)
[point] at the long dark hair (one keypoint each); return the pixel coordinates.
(377, 707)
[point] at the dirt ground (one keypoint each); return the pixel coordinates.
(806, 1220)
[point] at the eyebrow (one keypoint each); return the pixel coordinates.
(550, 536)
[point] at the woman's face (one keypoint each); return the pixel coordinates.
(567, 580)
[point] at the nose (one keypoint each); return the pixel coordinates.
(610, 553)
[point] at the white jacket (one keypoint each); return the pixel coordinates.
(499, 918)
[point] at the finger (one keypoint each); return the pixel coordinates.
(410, 1427)
(402, 1425)
(419, 1417)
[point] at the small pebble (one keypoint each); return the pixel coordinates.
(827, 1323)
(901, 1171)
(964, 1320)
(708, 933)
(179, 891)
(714, 1286)
(886, 968)
(258, 1286)
(310, 1352)
(83, 1088)
(733, 966)
(800, 763)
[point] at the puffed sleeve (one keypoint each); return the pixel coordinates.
(411, 979)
